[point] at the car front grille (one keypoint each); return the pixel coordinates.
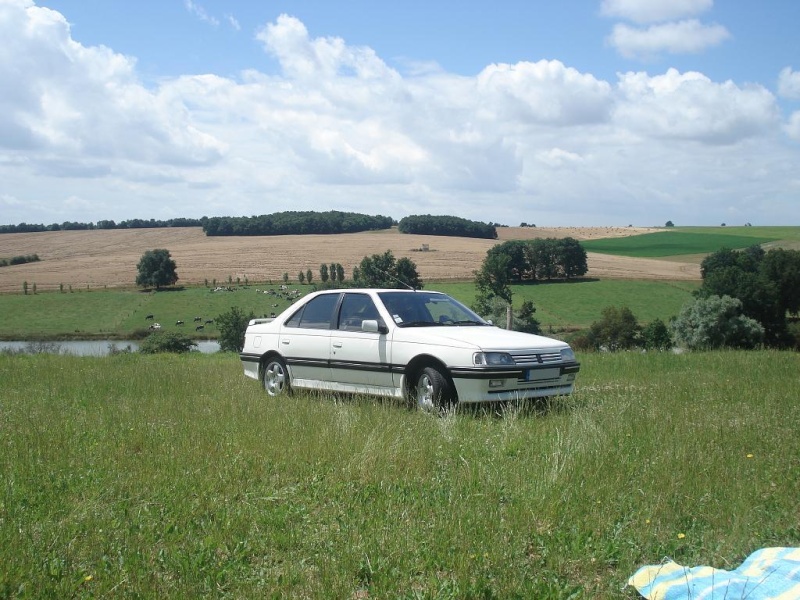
(531, 357)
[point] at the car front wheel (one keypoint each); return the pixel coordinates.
(432, 390)
(276, 377)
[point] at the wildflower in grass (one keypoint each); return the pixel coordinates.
(749, 456)
(88, 578)
(647, 521)
(681, 536)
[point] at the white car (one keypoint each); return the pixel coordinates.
(423, 346)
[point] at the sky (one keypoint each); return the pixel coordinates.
(570, 113)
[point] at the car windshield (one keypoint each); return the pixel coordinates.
(427, 309)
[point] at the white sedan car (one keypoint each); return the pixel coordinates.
(422, 346)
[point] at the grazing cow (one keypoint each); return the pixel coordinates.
(196, 319)
(199, 328)
(178, 322)
(149, 317)
(209, 321)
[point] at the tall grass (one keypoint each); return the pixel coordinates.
(134, 476)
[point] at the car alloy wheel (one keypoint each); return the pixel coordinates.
(276, 377)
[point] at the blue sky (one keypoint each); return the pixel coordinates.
(580, 113)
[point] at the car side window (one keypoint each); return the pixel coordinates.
(316, 314)
(355, 309)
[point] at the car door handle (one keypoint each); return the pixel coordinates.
(337, 344)
(286, 342)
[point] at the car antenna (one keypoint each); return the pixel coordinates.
(400, 281)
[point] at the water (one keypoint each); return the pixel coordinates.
(93, 347)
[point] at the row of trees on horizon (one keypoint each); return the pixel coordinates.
(286, 223)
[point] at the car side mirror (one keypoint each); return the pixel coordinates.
(374, 326)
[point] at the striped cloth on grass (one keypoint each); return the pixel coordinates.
(767, 574)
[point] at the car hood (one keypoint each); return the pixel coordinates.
(477, 337)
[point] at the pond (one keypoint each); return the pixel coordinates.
(91, 347)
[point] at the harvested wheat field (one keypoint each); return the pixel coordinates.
(108, 258)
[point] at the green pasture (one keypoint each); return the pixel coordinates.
(577, 304)
(121, 314)
(688, 241)
(135, 476)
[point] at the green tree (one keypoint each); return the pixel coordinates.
(760, 280)
(616, 330)
(493, 281)
(156, 269)
(332, 271)
(301, 277)
(232, 325)
(656, 336)
(339, 272)
(384, 271)
(323, 272)
(285, 278)
(715, 322)
(783, 267)
(572, 258)
(166, 341)
(309, 276)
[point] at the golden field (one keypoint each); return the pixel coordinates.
(108, 258)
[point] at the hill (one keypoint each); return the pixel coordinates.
(108, 258)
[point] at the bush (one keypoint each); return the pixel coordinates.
(232, 326)
(166, 341)
(656, 336)
(521, 320)
(617, 330)
(716, 322)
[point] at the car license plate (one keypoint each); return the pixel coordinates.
(539, 374)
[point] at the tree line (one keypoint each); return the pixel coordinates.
(446, 226)
(19, 260)
(286, 223)
(296, 223)
(102, 224)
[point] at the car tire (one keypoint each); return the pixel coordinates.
(275, 377)
(432, 390)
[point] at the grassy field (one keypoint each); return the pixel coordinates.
(121, 313)
(688, 241)
(174, 476)
(577, 304)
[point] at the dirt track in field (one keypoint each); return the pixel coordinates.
(103, 258)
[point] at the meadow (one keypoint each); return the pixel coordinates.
(120, 314)
(692, 241)
(136, 476)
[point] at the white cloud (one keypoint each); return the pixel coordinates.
(680, 37)
(200, 12)
(789, 84)
(85, 102)
(653, 11)
(233, 22)
(544, 92)
(690, 106)
(792, 127)
(82, 139)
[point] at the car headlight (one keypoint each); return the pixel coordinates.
(567, 355)
(492, 358)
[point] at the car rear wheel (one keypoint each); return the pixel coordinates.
(276, 377)
(432, 390)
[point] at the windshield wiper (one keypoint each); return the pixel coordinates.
(468, 323)
(417, 324)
